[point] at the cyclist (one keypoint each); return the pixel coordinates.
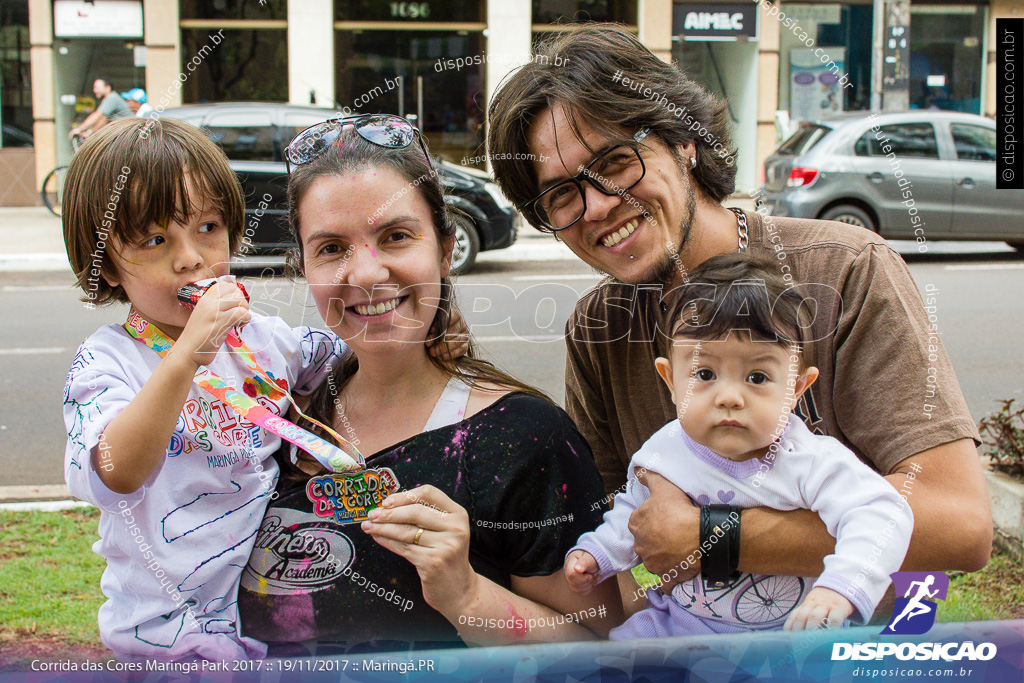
(112, 107)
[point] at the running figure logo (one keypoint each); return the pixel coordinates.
(914, 613)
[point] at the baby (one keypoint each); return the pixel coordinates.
(735, 360)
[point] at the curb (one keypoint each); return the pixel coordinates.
(45, 506)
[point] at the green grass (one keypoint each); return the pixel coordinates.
(51, 577)
(996, 592)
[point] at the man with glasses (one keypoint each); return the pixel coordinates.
(636, 162)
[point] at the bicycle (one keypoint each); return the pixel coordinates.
(52, 190)
(763, 598)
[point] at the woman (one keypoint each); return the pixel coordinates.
(495, 483)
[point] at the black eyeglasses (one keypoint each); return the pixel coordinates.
(612, 173)
(385, 130)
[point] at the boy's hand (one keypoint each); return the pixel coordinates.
(218, 311)
(822, 608)
(581, 571)
(455, 342)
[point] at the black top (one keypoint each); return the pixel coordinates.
(519, 467)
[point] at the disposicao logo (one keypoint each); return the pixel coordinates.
(914, 615)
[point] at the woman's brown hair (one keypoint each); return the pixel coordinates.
(133, 173)
(601, 75)
(355, 156)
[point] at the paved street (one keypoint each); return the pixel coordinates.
(531, 290)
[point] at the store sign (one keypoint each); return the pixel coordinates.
(815, 91)
(896, 49)
(410, 10)
(714, 22)
(98, 19)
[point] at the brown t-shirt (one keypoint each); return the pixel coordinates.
(886, 390)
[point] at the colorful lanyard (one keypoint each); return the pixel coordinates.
(344, 459)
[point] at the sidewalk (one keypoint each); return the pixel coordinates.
(31, 239)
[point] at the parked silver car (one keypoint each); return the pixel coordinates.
(918, 174)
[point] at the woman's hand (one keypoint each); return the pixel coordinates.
(430, 530)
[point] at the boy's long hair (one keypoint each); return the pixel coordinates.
(133, 173)
(355, 156)
(733, 292)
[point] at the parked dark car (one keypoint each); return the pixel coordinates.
(254, 135)
(922, 175)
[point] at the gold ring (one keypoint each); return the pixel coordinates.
(416, 538)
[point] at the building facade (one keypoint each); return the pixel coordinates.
(440, 60)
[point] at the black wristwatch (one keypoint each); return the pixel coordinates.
(719, 544)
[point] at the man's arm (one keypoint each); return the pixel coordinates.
(943, 485)
(94, 120)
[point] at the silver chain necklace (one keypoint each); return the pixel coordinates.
(741, 228)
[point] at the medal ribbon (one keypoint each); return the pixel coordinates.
(344, 459)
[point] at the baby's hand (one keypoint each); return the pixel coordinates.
(218, 311)
(822, 608)
(581, 571)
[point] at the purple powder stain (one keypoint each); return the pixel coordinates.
(460, 435)
(572, 449)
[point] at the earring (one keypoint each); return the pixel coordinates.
(693, 162)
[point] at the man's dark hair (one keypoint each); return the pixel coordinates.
(109, 83)
(737, 291)
(577, 70)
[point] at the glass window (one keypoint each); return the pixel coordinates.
(234, 9)
(376, 71)
(569, 11)
(802, 140)
(15, 75)
(946, 56)
(244, 135)
(432, 10)
(905, 140)
(246, 65)
(974, 143)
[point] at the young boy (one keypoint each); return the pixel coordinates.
(181, 478)
(732, 359)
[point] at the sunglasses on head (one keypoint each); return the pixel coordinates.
(384, 130)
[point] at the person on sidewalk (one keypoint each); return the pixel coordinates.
(112, 107)
(887, 389)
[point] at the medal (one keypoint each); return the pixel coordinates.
(348, 497)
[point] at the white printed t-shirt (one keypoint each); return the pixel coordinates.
(175, 548)
(865, 514)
